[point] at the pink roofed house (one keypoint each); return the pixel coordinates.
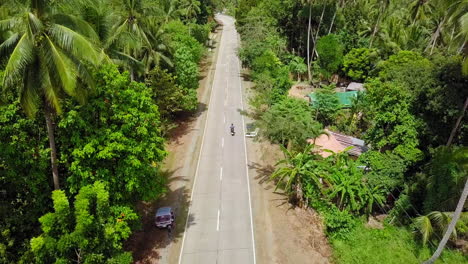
(337, 142)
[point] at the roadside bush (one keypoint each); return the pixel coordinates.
(179, 36)
(66, 232)
(185, 68)
(200, 32)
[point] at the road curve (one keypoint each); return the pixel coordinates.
(219, 226)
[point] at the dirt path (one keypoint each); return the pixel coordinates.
(283, 234)
(152, 245)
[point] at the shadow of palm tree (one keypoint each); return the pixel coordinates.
(263, 172)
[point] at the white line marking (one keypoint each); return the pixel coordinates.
(221, 174)
(199, 154)
(217, 224)
(222, 143)
(246, 160)
(224, 119)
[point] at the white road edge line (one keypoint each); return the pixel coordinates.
(245, 151)
(221, 174)
(217, 224)
(222, 143)
(201, 149)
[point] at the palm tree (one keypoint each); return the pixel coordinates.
(434, 222)
(382, 6)
(296, 165)
(132, 34)
(48, 57)
(191, 8)
(460, 156)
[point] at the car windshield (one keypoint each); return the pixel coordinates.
(163, 218)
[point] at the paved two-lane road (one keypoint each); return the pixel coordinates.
(219, 226)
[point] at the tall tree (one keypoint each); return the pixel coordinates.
(48, 57)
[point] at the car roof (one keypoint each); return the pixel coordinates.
(163, 211)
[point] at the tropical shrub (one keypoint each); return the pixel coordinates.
(326, 106)
(358, 63)
(297, 66)
(66, 232)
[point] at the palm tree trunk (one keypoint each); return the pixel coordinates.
(374, 31)
(334, 16)
(451, 227)
(457, 124)
(308, 43)
(435, 36)
(318, 30)
(53, 150)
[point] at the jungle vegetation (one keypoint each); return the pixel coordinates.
(411, 57)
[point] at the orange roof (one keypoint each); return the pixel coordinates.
(337, 142)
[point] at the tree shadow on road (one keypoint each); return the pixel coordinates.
(145, 244)
(185, 124)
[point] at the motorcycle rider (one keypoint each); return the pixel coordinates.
(232, 128)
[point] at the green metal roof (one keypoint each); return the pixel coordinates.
(345, 98)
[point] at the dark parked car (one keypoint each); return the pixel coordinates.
(164, 217)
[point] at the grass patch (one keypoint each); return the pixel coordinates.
(390, 245)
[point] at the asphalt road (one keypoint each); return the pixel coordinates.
(219, 225)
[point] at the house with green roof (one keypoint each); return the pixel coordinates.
(345, 98)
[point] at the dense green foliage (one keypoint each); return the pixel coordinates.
(101, 82)
(170, 97)
(330, 53)
(23, 152)
(412, 58)
(326, 106)
(290, 121)
(114, 137)
(365, 246)
(359, 63)
(66, 231)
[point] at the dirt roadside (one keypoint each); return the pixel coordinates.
(152, 245)
(283, 234)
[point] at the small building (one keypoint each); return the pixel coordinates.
(337, 142)
(345, 98)
(355, 86)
